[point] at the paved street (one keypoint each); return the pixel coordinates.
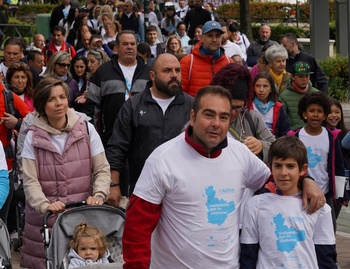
(343, 238)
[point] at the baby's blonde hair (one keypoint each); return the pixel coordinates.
(88, 231)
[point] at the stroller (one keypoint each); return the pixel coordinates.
(5, 247)
(108, 219)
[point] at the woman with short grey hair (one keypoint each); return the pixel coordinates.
(276, 56)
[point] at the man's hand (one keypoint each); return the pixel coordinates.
(253, 144)
(114, 196)
(313, 197)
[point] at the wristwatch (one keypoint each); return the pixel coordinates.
(114, 184)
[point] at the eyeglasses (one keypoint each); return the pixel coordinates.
(238, 108)
(63, 65)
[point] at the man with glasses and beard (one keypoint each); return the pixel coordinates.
(148, 119)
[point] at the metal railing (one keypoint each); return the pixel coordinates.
(16, 30)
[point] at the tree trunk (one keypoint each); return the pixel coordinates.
(245, 19)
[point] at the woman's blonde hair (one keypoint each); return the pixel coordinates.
(180, 50)
(56, 58)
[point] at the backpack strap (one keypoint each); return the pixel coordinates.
(9, 106)
(189, 73)
(251, 123)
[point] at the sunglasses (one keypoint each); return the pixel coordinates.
(63, 65)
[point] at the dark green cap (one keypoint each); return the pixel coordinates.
(301, 68)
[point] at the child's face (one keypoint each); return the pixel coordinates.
(334, 117)
(262, 89)
(314, 116)
(88, 249)
(301, 80)
(286, 174)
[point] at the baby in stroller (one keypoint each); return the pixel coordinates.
(88, 246)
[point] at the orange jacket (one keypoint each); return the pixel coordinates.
(197, 70)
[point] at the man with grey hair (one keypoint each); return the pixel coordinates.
(254, 49)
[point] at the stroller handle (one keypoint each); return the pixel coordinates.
(68, 205)
(45, 229)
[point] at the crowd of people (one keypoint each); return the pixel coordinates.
(189, 120)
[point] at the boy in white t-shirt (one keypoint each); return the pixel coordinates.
(277, 232)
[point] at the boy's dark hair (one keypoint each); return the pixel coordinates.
(288, 147)
(318, 98)
(151, 28)
(31, 54)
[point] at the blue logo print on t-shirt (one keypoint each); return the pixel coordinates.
(218, 209)
(313, 158)
(287, 237)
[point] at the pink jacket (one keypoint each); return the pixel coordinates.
(65, 178)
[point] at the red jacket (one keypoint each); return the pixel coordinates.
(50, 49)
(197, 70)
(21, 111)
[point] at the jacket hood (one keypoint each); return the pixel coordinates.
(42, 123)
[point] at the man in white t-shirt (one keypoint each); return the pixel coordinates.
(186, 203)
(229, 47)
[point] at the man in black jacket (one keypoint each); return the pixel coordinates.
(114, 82)
(59, 13)
(196, 16)
(318, 78)
(147, 120)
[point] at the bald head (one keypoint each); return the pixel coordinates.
(39, 40)
(264, 32)
(165, 76)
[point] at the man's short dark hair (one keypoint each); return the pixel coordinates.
(31, 55)
(211, 89)
(59, 28)
(93, 36)
(151, 28)
(119, 35)
(290, 37)
(14, 41)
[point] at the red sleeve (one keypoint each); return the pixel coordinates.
(72, 51)
(141, 219)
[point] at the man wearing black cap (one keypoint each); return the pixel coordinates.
(207, 58)
(298, 85)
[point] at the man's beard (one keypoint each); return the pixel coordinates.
(166, 89)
